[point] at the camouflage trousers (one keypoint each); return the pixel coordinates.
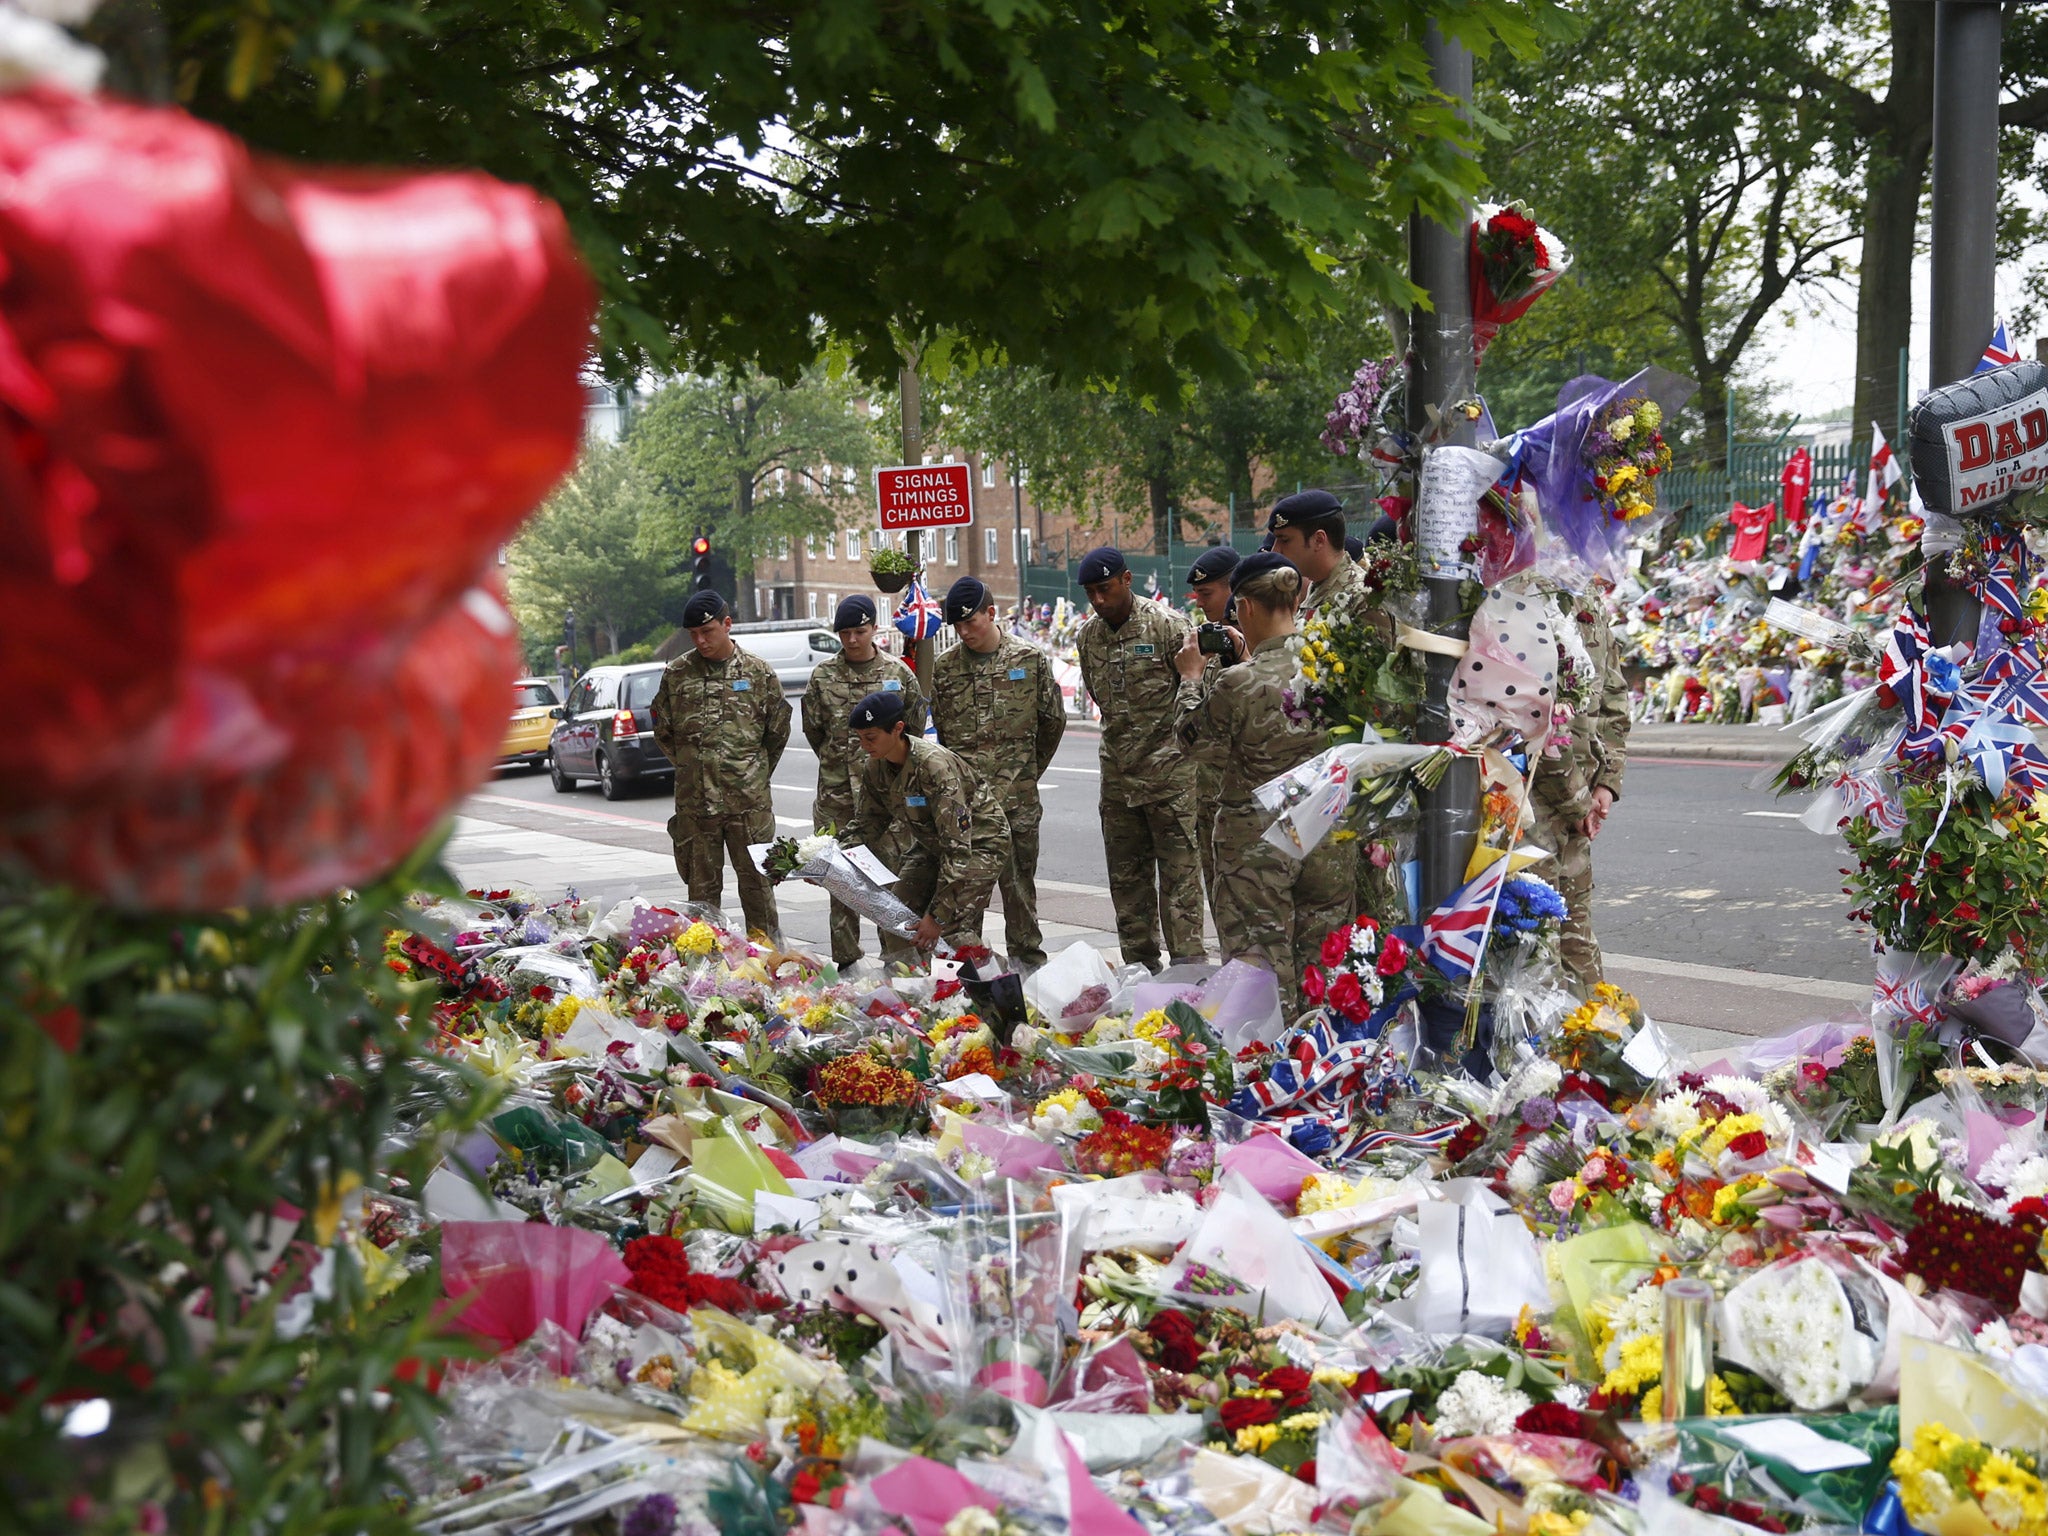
(917, 882)
(1571, 870)
(1023, 940)
(1205, 844)
(702, 843)
(1273, 910)
(1154, 869)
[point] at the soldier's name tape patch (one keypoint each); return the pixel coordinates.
(913, 799)
(1016, 674)
(742, 684)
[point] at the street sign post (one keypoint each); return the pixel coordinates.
(918, 496)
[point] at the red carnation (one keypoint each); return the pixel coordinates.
(1243, 1412)
(1337, 945)
(1393, 956)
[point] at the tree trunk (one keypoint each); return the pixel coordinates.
(743, 573)
(1895, 177)
(1160, 490)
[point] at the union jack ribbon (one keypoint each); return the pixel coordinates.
(1872, 797)
(918, 614)
(1321, 1082)
(1905, 998)
(1453, 936)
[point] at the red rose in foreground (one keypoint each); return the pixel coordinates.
(261, 430)
(1337, 945)
(1348, 998)
(1393, 955)
(1242, 1412)
(1180, 1349)
(1312, 985)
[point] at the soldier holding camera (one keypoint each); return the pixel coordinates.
(1219, 640)
(1127, 651)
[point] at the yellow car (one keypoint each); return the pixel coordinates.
(526, 739)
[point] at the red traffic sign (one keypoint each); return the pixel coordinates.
(925, 496)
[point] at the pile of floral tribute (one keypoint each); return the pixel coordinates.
(756, 1246)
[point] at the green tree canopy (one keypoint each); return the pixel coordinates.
(1098, 188)
(583, 550)
(751, 462)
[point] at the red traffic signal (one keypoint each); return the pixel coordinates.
(700, 546)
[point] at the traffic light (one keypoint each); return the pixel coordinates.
(700, 559)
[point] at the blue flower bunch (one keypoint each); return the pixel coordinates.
(1526, 904)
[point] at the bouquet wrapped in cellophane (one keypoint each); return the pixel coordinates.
(849, 877)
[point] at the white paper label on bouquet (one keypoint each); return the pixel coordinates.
(1648, 1051)
(1447, 506)
(1831, 1166)
(1793, 1444)
(864, 860)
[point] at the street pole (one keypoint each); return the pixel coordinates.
(1967, 36)
(1440, 373)
(913, 543)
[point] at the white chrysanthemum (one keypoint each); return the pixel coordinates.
(1478, 1404)
(1801, 1333)
(2020, 1174)
(1745, 1093)
(809, 848)
(1533, 1080)
(1995, 1338)
(1675, 1115)
(1524, 1177)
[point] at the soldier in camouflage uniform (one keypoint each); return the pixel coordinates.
(1148, 783)
(1573, 792)
(835, 687)
(1307, 529)
(1274, 910)
(928, 800)
(720, 717)
(1209, 585)
(996, 702)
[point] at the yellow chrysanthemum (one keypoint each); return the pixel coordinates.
(697, 939)
(562, 1015)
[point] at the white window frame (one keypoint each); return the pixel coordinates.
(1023, 546)
(988, 474)
(952, 546)
(811, 604)
(811, 545)
(853, 543)
(992, 546)
(876, 538)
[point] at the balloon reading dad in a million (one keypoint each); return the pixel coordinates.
(1983, 440)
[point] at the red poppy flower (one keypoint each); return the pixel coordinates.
(261, 429)
(1336, 945)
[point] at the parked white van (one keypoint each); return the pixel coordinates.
(792, 647)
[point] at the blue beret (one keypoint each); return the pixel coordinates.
(705, 607)
(1266, 544)
(852, 611)
(965, 598)
(1258, 565)
(1099, 564)
(1355, 548)
(1310, 510)
(1216, 562)
(877, 709)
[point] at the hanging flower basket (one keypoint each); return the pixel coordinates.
(891, 569)
(891, 581)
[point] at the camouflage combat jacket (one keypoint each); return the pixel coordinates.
(1597, 757)
(1336, 596)
(724, 724)
(1237, 719)
(1130, 674)
(1002, 711)
(835, 687)
(937, 802)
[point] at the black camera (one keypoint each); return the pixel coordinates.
(1214, 640)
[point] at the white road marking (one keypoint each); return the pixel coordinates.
(1805, 986)
(1777, 815)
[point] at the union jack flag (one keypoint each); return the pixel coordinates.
(2013, 683)
(918, 613)
(1452, 935)
(1999, 353)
